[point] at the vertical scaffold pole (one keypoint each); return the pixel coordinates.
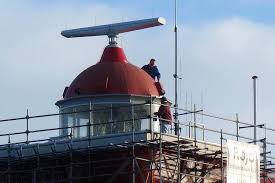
(195, 142)
(27, 128)
(71, 157)
(90, 133)
(160, 150)
(133, 146)
(9, 152)
(38, 161)
(265, 152)
(255, 109)
(237, 126)
(222, 173)
(151, 121)
(178, 153)
(152, 149)
(34, 177)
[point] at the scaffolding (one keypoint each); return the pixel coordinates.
(146, 156)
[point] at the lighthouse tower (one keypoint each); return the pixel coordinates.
(111, 104)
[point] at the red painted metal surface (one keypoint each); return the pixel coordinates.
(268, 180)
(113, 54)
(112, 75)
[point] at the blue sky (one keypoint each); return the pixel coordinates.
(190, 11)
(198, 11)
(221, 45)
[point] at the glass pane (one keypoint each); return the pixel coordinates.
(155, 122)
(121, 114)
(67, 121)
(141, 114)
(82, 119)
(101, 119)
(123, 117)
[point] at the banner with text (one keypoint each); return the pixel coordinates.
(243, 162)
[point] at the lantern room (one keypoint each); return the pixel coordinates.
(110, 97)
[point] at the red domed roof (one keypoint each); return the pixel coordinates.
(112, 75)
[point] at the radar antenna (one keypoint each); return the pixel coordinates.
(112, 30)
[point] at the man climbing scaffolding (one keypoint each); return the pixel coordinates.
(152, 69)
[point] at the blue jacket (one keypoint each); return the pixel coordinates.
(152, 71)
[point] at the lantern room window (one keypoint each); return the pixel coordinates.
(101, 119)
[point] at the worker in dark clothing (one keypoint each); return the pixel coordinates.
(164, 113)
(152, 69)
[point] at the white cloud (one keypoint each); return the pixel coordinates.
(219, 60)
(37, 62)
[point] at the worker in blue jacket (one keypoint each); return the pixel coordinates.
(152, 69)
